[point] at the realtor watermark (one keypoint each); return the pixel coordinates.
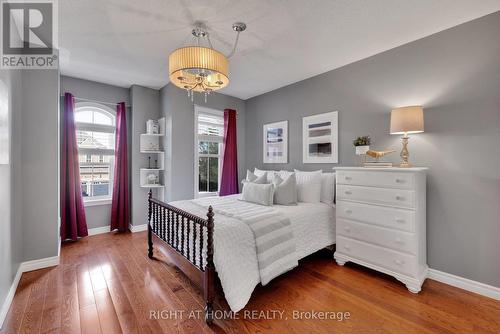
(251, 315)
(29, 36)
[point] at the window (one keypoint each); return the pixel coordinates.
(95, 136)
(209, 132)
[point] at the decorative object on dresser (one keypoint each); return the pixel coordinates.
(405, 120)
(362, 145)
(275, 142)
(381, 221)
(320, 138)
(377, 155)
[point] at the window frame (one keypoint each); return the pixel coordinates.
(197, 138)
(105, 199)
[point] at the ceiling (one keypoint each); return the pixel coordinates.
(125, 42)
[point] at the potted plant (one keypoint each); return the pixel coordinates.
(362, 145)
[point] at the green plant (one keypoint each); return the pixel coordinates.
(362, 141)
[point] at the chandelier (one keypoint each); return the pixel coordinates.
(201, 68)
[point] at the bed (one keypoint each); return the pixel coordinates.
(185, 232)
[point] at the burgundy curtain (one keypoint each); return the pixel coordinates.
(229, 179)
(120, 203)
(73, 222)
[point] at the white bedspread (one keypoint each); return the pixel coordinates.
(235, 256)
(272, 230)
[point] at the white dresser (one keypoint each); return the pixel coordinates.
(381, 221)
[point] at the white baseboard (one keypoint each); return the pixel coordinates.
(105, 229)
(24, 267)
(137, 228)
(39, 264)
(98, 230)
(10, 296)
(465, 283)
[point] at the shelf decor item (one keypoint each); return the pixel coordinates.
(320, 138)
(152, 178)
(275, 143)
(405, 120)
(152, 127)
(362, 144)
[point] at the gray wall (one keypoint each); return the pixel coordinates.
(145, 105)
(100, 215)
(178, 111)
(455, 75)
(11, 240)
(39, 168)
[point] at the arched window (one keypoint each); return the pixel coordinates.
(95, 136)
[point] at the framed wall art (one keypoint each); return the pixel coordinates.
(275, 143)
(320, 138)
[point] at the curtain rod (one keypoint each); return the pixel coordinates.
(96, 101)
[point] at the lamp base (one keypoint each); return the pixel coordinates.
(404, 152)
(405, 165)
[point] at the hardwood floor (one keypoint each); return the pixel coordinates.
(106, 284)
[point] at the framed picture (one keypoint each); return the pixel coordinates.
(320, 138)
(275, 143)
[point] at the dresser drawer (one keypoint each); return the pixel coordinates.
(400, 219)
(377, 179)
(402, 263)
(391, 197)
(397, 240)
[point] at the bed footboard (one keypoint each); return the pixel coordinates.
(189, 239)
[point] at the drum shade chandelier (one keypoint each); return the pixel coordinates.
(201, 68)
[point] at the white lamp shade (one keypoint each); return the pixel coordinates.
(407, 120)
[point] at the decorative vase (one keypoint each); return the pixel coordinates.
(360, 150)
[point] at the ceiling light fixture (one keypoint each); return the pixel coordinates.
(201, 68)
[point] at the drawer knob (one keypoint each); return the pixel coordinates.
(400, 181)
(400, 198)
(347, 229)
(348, 178)
(401, 221)
(399, 241)
(348, 211)
(348, 192)
(399, 262)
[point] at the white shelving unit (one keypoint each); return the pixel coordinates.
(152, 144)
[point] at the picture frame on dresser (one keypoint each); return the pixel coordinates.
(275, 142)
(320, 138)
(381, 221)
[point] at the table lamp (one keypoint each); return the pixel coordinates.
(405, 120)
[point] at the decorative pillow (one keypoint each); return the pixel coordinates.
(258, 193)
(327, 188)
(270, 174)
(285, 191)
(251, 177)
(308, 186)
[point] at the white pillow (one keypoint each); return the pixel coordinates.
(285, 190)
(258, 193)
(327, 188)
(308, 186)
(254, 179)
(284, 174)
(270, 174)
